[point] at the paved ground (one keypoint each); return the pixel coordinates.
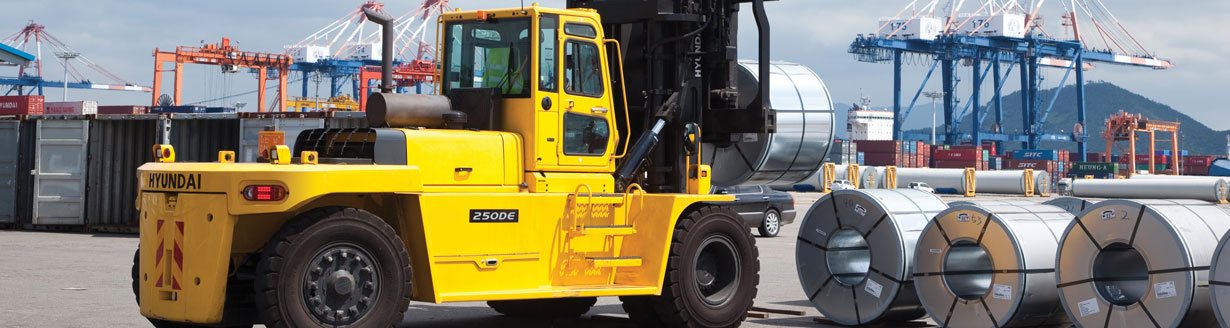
(82, 280)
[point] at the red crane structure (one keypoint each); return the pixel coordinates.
(1123, 127)
(231, 59)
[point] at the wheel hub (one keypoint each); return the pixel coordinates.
(771, 222)
(339, 286)
(718, 270)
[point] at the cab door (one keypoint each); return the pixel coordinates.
(586, 124)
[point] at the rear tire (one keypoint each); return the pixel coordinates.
(559, 308)
(711, 275)
(334, 267)
(771, 225)
(231, 297)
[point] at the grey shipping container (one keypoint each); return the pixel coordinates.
(198, 138)
(251, 127)
(118, 146)
(59, 172)
(25, 180)
(10, 154)
(344, 120)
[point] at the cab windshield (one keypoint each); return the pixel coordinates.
(488, 54)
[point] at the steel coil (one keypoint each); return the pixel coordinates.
(1206, 190)
(1042, 183)
(1182, 177)
(1132, 263)
(804, 113)
(854, 253)
(1071, 204)
(991, 264)
(1219, 281)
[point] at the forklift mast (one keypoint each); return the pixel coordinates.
(682, 55)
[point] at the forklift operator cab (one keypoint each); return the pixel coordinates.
(564, 111)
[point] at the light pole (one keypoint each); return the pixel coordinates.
(933, 95)
(66, 55)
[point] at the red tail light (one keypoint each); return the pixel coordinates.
(264, 193)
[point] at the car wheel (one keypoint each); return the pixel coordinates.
(771, 225)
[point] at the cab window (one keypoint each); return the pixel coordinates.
(547, 51)
(585, 135)
(582, 69)
(488, 54)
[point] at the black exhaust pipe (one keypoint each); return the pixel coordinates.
(386, 45)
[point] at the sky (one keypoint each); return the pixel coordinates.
(121, 36)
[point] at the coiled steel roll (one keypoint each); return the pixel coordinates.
(988, 264)
(1133, 263)
(1213, 190)
(804, 130)
(1219, 281)
(855, 250)
(944, 181)
(1071, 204)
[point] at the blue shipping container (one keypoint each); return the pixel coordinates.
(1036, 154)
(219, 110)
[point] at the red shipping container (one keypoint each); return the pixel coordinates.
(1198, 160)
(957, 155)
(21, 105)
(1094, 157)
(881, 159)
(123, 110)
(878, 146)
(955, 164)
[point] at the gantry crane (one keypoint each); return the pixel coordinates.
(78, 70)
(1124, 127)
(955, 38)
(231, 60)
(344, 52)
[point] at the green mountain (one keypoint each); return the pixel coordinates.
(1101, 100)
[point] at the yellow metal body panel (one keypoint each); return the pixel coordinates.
(185, 248)
(465, 158)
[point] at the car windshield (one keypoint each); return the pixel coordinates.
(488, 54)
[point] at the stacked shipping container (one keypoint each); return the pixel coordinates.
(907, 154)
(21, 105)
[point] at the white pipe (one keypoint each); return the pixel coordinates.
(1003, 182)
(1206, 190)
(944, 181)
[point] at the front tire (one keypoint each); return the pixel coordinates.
(559, 308)
(334, 267)
(771, 225)
(711, 276)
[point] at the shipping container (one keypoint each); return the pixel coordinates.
(59, 174)
(118, 146)
(123, 110)
(1036, 154)
(21, 105)
(939, 164)
(878, 146)
(957, 155)
(84, 107)
(219, 110)
(1036, 165)
(10, 154)
(199, 138)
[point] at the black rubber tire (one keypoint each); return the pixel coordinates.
(292, 249)
(681, 304)
(558, 308)
(764, 228)
(136, 293)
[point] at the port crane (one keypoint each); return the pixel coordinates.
(997, 34)
(343, 51)
(1124, 127)
(231, 60)
(27, 47)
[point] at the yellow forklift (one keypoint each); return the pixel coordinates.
(518, 185)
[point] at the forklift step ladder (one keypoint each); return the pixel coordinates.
(613, 227)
